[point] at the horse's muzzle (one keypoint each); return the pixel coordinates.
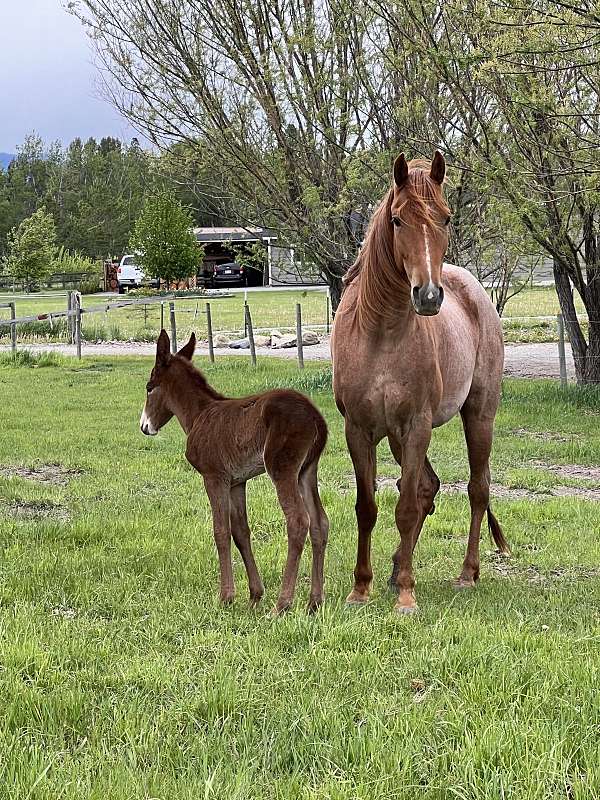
(427, 300)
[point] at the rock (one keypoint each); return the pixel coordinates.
(262, 341)
(240, 344)
(284, 341)
(275, 334)
(220, 340)
(309, 337)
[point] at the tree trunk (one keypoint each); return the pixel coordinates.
(579, 346)
(335, 289)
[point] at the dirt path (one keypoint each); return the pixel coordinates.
(521, 360)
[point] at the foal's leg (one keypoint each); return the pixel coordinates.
(429, 485)
(409, 514)
(217, 490)
(319, 529)
(364, 459)
(240, 531)
(478, 433)
(297, 521)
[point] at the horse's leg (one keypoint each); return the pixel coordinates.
(364, 459)
(409, 511)
(429, 485)
(217, 490)
(319, 529)
(240, 531)
(478, 433)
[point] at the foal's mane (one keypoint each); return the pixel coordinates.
(380, 275)
(196, 379)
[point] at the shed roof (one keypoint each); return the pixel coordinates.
(233, 234)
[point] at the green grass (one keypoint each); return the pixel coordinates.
(273, 309)
(122, 678)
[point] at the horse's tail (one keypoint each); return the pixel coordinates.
(496, 533)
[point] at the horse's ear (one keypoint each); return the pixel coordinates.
(187, 351)
(400, 171)
(163, 348)
(438, 168)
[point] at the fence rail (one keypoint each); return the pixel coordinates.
(314, 313)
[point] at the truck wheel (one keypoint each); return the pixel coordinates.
(121, 289)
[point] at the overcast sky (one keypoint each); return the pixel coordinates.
(48, 81)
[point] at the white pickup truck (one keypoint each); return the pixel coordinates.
(130, 276)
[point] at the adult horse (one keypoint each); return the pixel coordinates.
(414, 343)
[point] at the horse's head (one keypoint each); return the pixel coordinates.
(158, 408)
(420, 218)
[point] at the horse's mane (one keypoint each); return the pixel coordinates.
(380, 275)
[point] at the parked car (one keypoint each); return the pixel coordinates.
(230, 273)
(130, 276)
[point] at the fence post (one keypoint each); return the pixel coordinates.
(173, 328)
(13, 328)
(299, 336)
(211, 348)
(77, 299)
(327, 312)
(562, 361)
(250, 331)
(162, 316)
(69, 318)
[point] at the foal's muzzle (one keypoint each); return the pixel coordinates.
(427, 300)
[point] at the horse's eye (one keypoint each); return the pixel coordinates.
(447, 221)
(149, 387)
(397, 222)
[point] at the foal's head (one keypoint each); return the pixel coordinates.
(160, 401)
(420, 218)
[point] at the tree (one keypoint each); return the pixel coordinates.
(269, 91)
(519, 105)
(164, 240)
(32, 248)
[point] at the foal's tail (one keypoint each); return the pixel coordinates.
(319, 442)
(496, 533)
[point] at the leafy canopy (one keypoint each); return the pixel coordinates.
(164, 240)
(32, 247)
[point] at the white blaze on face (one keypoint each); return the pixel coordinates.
(146, 424)
(427, 258)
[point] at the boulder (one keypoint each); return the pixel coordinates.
(284, 341)
(309, 337)
(221, 340)
(262, 341)
(240, 344)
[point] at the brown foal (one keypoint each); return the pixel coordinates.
(415, 342)
(229, 441)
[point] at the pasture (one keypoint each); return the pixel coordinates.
(270, 309)
(123, 678)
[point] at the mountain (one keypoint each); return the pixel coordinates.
(5, 159)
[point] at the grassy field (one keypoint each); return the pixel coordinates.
(273, 309)
(122, 678)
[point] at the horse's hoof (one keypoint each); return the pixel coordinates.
(227, 600)
(406, 611)
(313, 606)
(356, 599)
(460, 584)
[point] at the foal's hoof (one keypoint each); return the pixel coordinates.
(355, 599)
(227, 599)
(314, 604)
(406, 611)
(280, 609)
(464, 583)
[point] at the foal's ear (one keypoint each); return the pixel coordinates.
(400, 171)
(163, 349)
(187, 351)
(438, 168)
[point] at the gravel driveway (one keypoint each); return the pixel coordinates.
(521, 360)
